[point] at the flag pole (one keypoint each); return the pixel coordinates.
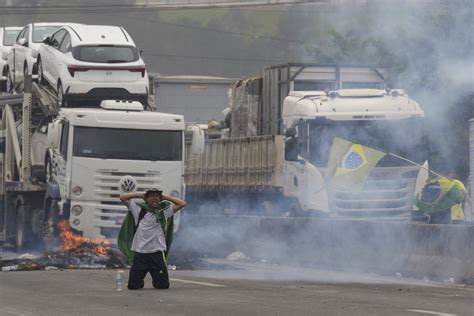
(412, 162)
(394, 155)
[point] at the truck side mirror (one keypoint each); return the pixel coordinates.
(23, 42)
(291, 149)
(47, 41)
(290, 132)
(53, 135)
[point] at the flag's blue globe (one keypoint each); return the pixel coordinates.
(352, 161)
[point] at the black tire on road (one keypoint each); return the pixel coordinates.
(51, 219)
(24, 234)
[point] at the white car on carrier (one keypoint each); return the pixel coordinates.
(93, 63)
(22, 59)
(7, 39)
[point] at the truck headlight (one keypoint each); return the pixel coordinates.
(77, 190)
(76, 210)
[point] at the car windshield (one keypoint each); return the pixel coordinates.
(41, 32)
(9, 37)
(106, 54)
(130, 144)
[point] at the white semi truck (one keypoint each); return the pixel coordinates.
(72, 163)
(274, 157)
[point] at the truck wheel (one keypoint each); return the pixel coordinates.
(51, 218)
(24, 235)
(268, 208)
(295, 210)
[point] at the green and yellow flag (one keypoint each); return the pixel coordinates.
(438, 194)
(350, 164)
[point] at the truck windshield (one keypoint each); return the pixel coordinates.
(400, 137)
(41, 32)
(130, 144)
(9, 37)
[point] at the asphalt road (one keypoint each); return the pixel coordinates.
(234, 288)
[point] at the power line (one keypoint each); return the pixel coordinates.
(213, 57)
(55, 9)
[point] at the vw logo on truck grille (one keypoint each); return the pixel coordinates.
(128, 184)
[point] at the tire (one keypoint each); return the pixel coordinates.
(48, 170)
(25, 73)
(50, 231)
(24, 235)
(9, 82)
(60, 94)
(268, 208)
(41, 79)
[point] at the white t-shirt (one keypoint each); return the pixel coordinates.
(149, 236)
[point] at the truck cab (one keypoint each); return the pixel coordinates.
(383, 119)
(95, 154)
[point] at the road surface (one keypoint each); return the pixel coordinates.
(232, 288)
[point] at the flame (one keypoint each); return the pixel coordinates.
(70, 241)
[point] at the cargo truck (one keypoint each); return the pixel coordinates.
(72, 163)
(272, 159)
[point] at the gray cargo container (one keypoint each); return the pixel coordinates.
(198, 98)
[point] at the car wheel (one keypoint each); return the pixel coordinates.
(9, 82)
(41, 79)
(25, 73)
(48, 167)
(61, 101)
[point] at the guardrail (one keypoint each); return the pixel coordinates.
(393, 248)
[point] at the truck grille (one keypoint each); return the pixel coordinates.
(109, 212)
(387, 190)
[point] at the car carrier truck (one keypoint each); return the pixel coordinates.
(272, 159)
(72, 163)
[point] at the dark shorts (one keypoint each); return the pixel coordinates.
(149, 262)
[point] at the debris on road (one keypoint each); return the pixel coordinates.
(237, 256)
(26, 256)
(76, 252)
(10, 268)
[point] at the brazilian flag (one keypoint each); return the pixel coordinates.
(350, 164)
(438, 194)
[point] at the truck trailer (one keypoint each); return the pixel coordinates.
(73, 163)
(273, 157)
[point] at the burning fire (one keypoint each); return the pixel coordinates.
(73, 242)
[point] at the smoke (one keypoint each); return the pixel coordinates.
(303, 246)
(427, 46)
